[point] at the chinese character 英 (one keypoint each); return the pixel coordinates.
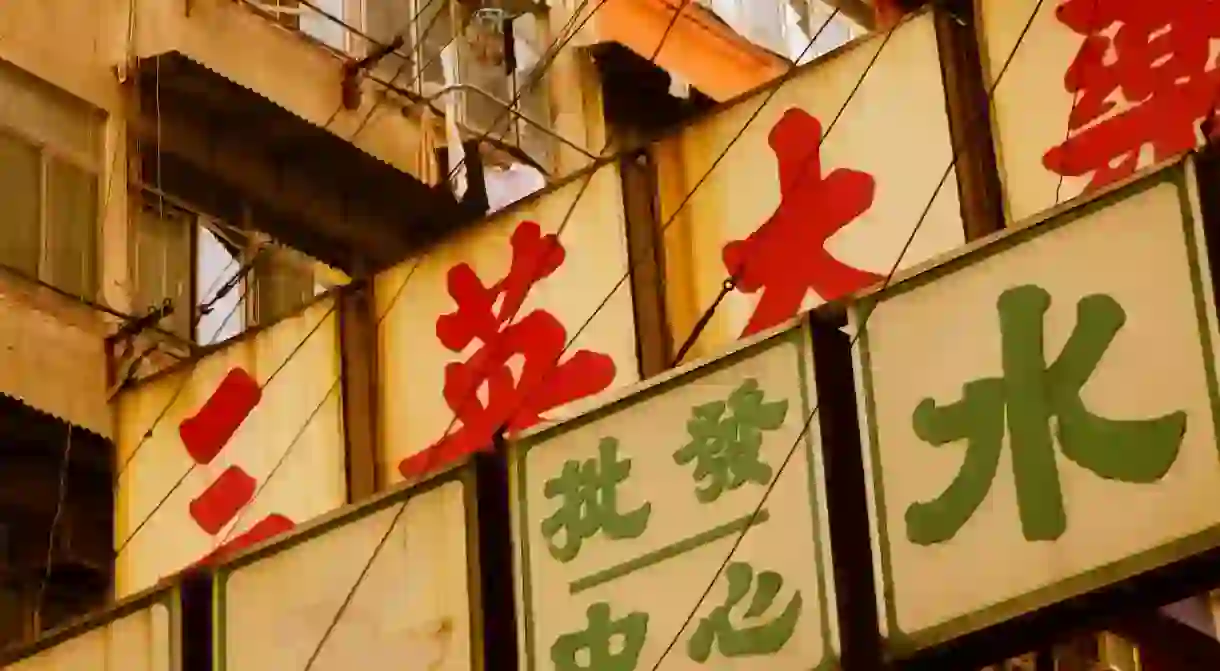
(588, 493)
(786, 257)
(764, 638)
(596, 640)
(538, 339)
(1022, 403)
(1145, 75)
(726, 449)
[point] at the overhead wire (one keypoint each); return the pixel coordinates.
(394, 521)
(860, 329)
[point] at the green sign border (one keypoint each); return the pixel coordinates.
(905, 643)
(462, 471)
(163, 595)
(799, 337)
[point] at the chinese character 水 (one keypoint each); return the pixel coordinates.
(1022, 403)
(786, 257)
(588, 493)
(765, 638)
(726, 449)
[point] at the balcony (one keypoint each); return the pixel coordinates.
(225, 93)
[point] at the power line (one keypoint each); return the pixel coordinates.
(295, 350)
(402, 508)
(855, 337)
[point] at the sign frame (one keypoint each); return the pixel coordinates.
(1183, 174)
(464, 471)
(169, 596)
(799, 332)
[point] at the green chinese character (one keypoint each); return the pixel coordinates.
(726, 449)
(596, 642)
(1022, 402)
(589, 492)
(766, 638)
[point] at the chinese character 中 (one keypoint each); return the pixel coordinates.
(1022, 402)
(1153, 56)
(764, 638)
(596, 641)
(726, 449)
(589, 502)
(786, 257)
(538, 339)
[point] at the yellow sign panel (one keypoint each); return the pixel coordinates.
(625, 515)
(472, 332)
(1041, 414)
(810, 190)
(1096, 90)
(242, 445)
(142, 634)
(403, 560)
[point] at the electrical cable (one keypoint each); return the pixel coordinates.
(292, 354)
(402, 508)
(64, 466)
(852, 343)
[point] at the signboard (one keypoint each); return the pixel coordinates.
(140, 634)
(414, 606)
(1096, 90)
(470, 333)
(797, 190)
(625, 514)
(237, 447)
(1040, 413)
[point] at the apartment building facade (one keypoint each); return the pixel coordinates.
(190, 181)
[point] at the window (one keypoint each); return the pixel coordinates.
(188, 258)
(50, 168)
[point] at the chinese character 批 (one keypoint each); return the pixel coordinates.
(786, 257)
(597, 642)
(588, 493)
(1145, 76)
(1022, 403)
(764, 638)
(725, 449)
(538, 339)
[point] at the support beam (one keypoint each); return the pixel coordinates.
(359, 364)
(645, 254)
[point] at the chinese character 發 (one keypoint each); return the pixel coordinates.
(1022, 403)
(764, 638)
(1154, 58)
(588, 493)
(538, 339)
(726, 449)
(596, 641)
(786, 257)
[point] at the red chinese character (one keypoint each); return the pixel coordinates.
(1152, 62)
(786, 257)
(488, 315)
(205, 435)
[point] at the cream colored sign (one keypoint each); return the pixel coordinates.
(140, 636)
(1096, 90)
(624, 515)
(411, 610)
(238, 447)
(814, 200)
(471, 333)
(1041, 413)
